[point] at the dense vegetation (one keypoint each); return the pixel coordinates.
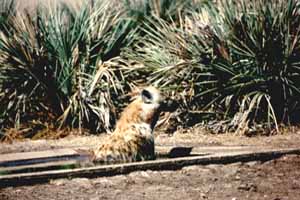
(235, 62)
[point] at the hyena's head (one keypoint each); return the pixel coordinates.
(146, 107)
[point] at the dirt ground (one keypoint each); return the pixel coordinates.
(197, 137)
(273, 180)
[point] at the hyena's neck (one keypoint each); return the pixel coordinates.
(137, 113)
(144, 129)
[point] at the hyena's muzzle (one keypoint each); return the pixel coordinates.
(168, 105)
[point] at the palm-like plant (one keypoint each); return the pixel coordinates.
(238, 59)
(164, 9)
(7, 11)
(260, 75)
(63, 63)
(22, 70)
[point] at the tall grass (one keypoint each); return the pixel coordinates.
(61, 64)
(236, 59)
(164, 9)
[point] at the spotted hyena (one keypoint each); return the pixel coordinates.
(133, 138)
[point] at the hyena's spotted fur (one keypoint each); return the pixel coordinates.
(133, 138)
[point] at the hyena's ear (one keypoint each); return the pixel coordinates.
(135, 92)
(146, 96)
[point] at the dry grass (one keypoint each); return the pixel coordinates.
(218, 61)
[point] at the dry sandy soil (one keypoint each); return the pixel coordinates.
(196, 136)
(273, 180)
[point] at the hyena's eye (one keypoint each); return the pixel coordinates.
(146, 96)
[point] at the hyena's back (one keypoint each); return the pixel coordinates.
(126, 148)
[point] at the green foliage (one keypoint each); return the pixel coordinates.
(257, 60)
(62, 63)
(237, 59)
(164, 9)
(7, 11)
(228, 60)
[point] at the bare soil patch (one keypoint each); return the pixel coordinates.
(275, 179)
(196, 137)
